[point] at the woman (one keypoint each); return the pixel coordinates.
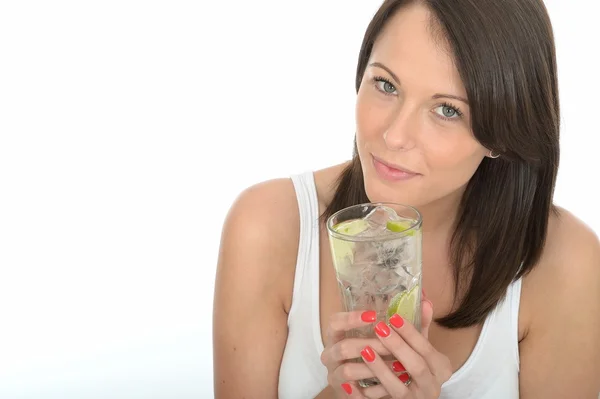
(457, 114)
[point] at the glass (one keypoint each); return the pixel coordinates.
(377, 251)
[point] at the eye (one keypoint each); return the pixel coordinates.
(385, 86)
(448, 112)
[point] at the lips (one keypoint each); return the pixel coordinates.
(394, 167)
(391, 172)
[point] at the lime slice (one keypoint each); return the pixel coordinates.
(343, 251)
(405, 304)
(351, 227)
(398, 226)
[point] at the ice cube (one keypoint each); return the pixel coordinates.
(404, 273)
(377, 221)
(365, 254)
(385, 281)
(390, 253)
(409, 249)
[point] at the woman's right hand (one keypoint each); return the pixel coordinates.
(338, 350)
(342, 374)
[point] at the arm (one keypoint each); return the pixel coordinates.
(254, 281)
(560, 355)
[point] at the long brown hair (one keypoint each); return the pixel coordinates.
(505, 54)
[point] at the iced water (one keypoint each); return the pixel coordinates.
(375, 264)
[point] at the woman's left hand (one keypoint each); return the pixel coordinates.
(427, 368)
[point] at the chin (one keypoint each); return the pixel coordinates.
(378, 191)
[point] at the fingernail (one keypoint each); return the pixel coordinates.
(429, 302)
(369, 316)
(404, 377)
(368, 355)
(347, 387)
(398, 367)
(423, 291)
(382, 329)
(397, 321)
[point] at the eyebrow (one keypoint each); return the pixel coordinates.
(435, 96)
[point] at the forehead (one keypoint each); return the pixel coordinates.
(414, 48)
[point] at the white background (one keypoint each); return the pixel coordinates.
(127, 130)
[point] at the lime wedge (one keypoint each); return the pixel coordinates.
(343, 251)
(405, 304)
(351, 227)
(398, 226)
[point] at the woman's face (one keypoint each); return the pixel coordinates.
(412, 115)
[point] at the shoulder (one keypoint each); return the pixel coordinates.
(260, 234)
(566, 229)
(253, 284)
(267, 214)
(572, 248)
(561, 309)
(567, 273)
(570, 259)
(264, 210)
(259, 241)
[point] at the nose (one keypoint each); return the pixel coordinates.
(401, 133)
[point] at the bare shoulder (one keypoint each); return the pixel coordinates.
(262, 229)
(271, 206)
(566, 229)
(263, 226)
(561, 313)
(572, 248)
(253, 283)
(570, 261)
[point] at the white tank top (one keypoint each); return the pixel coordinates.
(490, 372)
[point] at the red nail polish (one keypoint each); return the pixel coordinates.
(369, 316)
(368, 354)
(404, 377)
(382, 329)
(397, 321)
(347, 387)
(398, 367)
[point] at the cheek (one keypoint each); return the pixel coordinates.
(453, 160)
(371, 119)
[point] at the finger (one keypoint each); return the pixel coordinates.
(375, 392)
(351, 390)
(426, 315)
(414, 363)
(390, 382)
(353, 371)
(341, 322)
(378, 391)
(350, 348)
(416, 352)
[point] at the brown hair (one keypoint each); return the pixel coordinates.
(505, 54)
